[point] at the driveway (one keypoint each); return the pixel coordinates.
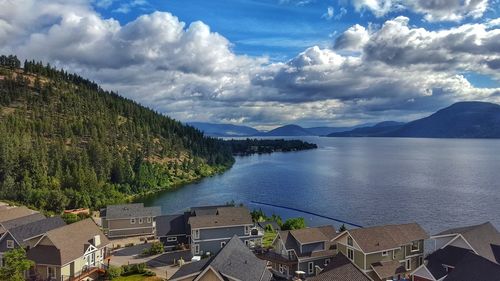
(162, 265)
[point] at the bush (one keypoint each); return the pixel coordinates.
(129, 244)
(149, 273)
(155, 249)
(136, 268)
(114, 271)
(294, 223)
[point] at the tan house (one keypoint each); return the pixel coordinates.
(129, 220)
(384, 252)
(73, 252)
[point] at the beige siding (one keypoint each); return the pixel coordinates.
(359, 257)
(377, 257)
(210, 276)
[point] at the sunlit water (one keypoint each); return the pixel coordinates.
(438, 183)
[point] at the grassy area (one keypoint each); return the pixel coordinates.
(137, 277)
(268, 238)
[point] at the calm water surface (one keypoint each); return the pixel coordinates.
(438, 183)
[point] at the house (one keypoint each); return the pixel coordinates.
(233, 262)
(454, 244)
(129, 220)
(439, 263)
(27, 235)
(483, 239)
(384, 252)
(474, 267)
(21, 221)
(212, 227)
(340, 269)
(70, 252)
(173, 231)
(11, 213)
(308, 250)
(207, 229)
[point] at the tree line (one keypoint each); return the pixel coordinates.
(67, 143)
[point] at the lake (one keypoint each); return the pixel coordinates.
(439, 183)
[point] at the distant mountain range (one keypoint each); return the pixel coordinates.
(229, 130)
(460, 120)
(224, 130)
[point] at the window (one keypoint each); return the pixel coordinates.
(349, 241)
(196, 234)
(384, 253)
(281, 268)
(196, 249)
(327, 262)
(10, 244)
(222, 244)
(246, 243)
(51, 272)
(408, 264)
(420, 261)
(310, 267)
(415, 246)
(132, 221)
(141, 220)
(171, 239)
(394, 254)
(149, 219)
(247, 229)
(350, 254)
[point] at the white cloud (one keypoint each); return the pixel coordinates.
(433, 10)
(329, 13)
(354, 38)
(191, 73)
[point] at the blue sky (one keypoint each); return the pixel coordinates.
(267, 63)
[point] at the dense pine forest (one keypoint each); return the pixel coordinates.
(67, 143)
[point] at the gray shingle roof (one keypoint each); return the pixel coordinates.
(36, 228)
(379, 238)
(135, 210)
(69, 243)
(191, 268)
(234, 260)
(449, 255)
(225, 216)
(387, 269)
(23, 220)
(474, 267)
(340, 269)
(481, 237)
(14, 213)
(308, 235)
(167, 225)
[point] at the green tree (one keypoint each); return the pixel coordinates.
(342, 228)
(294, 223)
(15, 264)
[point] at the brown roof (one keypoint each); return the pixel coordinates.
(14, 213)
(380, 238)
(481, 237)
(313, 234)
(386, 269)
(340, 269)
(226, 216)
(70, 243)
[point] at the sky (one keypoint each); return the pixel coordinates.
(267, 63)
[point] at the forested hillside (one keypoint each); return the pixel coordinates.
(65, 142)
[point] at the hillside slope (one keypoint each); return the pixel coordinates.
(287, 130)
(67, 143)
(460, 120)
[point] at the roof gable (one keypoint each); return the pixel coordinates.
(386, 237)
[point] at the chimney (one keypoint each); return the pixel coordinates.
(97, 240)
